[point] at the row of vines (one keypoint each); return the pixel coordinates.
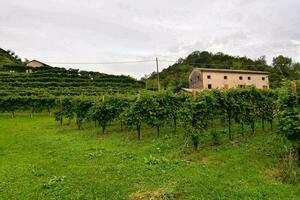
(196, 114)
(21, 80)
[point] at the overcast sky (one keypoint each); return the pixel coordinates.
(119, 30)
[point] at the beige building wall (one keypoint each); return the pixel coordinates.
(214, 79)
(218, 80)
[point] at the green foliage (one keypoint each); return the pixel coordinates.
(10, 104)
(53, 182)
(194, 116)
(9, 58)
(103, 113)
(156, 115)
(176, 75)
(136, 114)
(172, 103)
(289, 120)
(15, 80)
(152, 160)
(283, 65)
(81, 109)
(64, 109)
(198, 112)
(290, 125)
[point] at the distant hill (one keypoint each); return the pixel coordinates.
(9, 58)
(176, 75)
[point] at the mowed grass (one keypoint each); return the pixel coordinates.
(41, 160)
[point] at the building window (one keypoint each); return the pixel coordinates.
(263, 78)
(198, 78)
(225, 77)
(249, 78)
(209, 86)
(241, 78)
(208, 77)
(265, 87)
(242, 86)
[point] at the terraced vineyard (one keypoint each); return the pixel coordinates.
(20, 80)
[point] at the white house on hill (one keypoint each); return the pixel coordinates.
(36, 63)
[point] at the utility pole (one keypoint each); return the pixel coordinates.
(158, 84)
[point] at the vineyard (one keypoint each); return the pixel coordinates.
(197, 113)
(155, 141)
(47, 81)
(63, 127)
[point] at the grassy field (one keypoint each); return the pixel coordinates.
(40, 160)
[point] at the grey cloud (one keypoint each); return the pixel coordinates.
(100, 31)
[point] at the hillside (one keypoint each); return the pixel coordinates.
(17, 79)
(60, 81)
(176, 75)
(9, 58)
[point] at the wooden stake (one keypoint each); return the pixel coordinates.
(158, 84)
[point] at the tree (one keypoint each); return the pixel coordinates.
(173, 103)
(228, 104)
(81, 109)
(238, 108)
(49, 103)
(156, 112)
(64, 110)
(103, 112)
(10, 104)
(120, 103)
(33, 104)
(136, 114)
(289, 120)
(282, 65)
(194, 118)
(267, 107)
(251, 107)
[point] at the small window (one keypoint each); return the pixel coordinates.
(263, 78)
(209, 86)
(225, 77)
(198, 77)
(242, 86)
(265, 87)
(208, 77)
(241, 78)
(249, 78)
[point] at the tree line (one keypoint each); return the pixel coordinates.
(175, 76)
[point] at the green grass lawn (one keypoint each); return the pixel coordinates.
(40, 160)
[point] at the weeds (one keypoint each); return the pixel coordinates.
(53, 182)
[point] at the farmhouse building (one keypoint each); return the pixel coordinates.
(35, 63)
(205, 78)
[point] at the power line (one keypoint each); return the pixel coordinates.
(102, 63)
(148, 61)
(207, 64)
